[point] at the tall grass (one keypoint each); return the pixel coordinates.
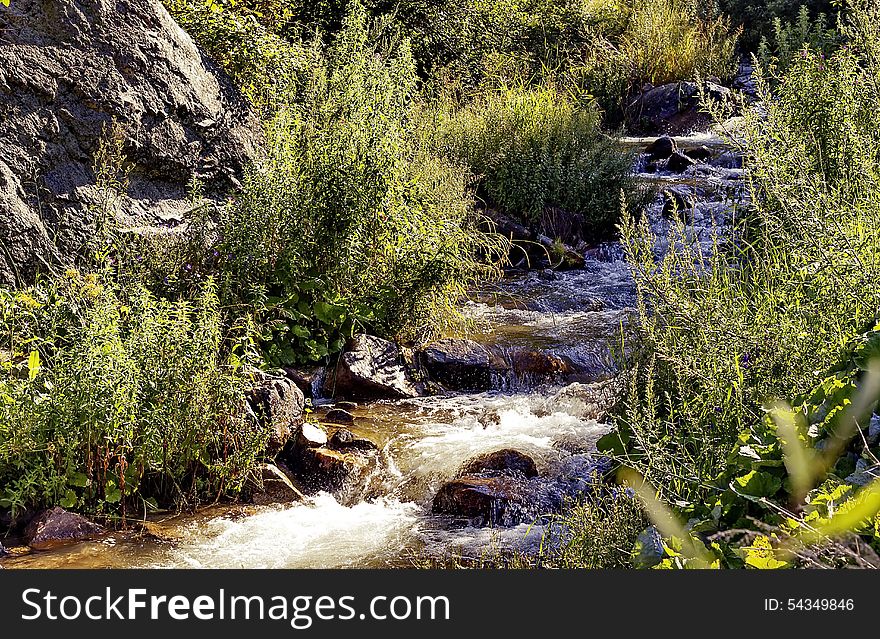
(669, 40)
(536, 152)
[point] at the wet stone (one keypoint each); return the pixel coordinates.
(661, 148)
(274, 487)
(57, 527)
(481, 501)
(310, 436)
(339, 416)
(500, 462)
(344, 439)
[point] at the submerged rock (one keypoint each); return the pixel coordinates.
(273, 486)
(277, 404)
(462, 364)
(661, 148)
(339, 416)
(501, 462)
(371, 368)
(345, 473)
(343, 439)
(56, 527)
(539, 366)
(69, 70)
(679, 162)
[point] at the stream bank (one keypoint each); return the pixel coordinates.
(534, 377)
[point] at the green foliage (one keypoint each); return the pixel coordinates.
(351, 222)
(793, 292)
(758, 17)
(670, 40)
(777, 52)
(111, 398)
(247, 40)
(536, 150)
(601, 48)
(600, 532)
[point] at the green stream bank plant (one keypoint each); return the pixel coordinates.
(785, 307)
(114, 401)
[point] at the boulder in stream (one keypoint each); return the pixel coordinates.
(371, 368)
(310, 436)
(661, 148)
(345, 472)
(273, 486)
(343, 439)
(462, 364)
(538, 366)
(503, 461)
(679, 162)
(57, 527)
(678, 201)
(277, 404)
(480, 501)
(338, 416)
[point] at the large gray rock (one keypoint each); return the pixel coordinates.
(277, 405)
(57, 527)
(371, 368)
(463, 364)
(673, 108)
(500, 462)
(68, 69)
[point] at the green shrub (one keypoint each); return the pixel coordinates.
(536, 150)
(778, 51)
(112, 399)
(757, 17)
(351, 222)
(785, 299)
(599, 533)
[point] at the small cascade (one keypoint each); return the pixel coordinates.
(558, 336)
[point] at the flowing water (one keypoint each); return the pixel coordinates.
(578, 315)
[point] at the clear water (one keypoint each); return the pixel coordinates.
(579, 315)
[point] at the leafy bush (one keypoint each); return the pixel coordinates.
(758, 17)
(778, 52)
(535, 150)
(112, 399)
(785, 298)
(351, 222)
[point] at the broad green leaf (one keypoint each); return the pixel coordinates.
(81, 480)
(69, 499)
(33, 365)
(756, 484)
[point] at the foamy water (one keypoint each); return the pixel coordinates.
(577, 315)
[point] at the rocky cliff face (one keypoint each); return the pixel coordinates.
(68, 69)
